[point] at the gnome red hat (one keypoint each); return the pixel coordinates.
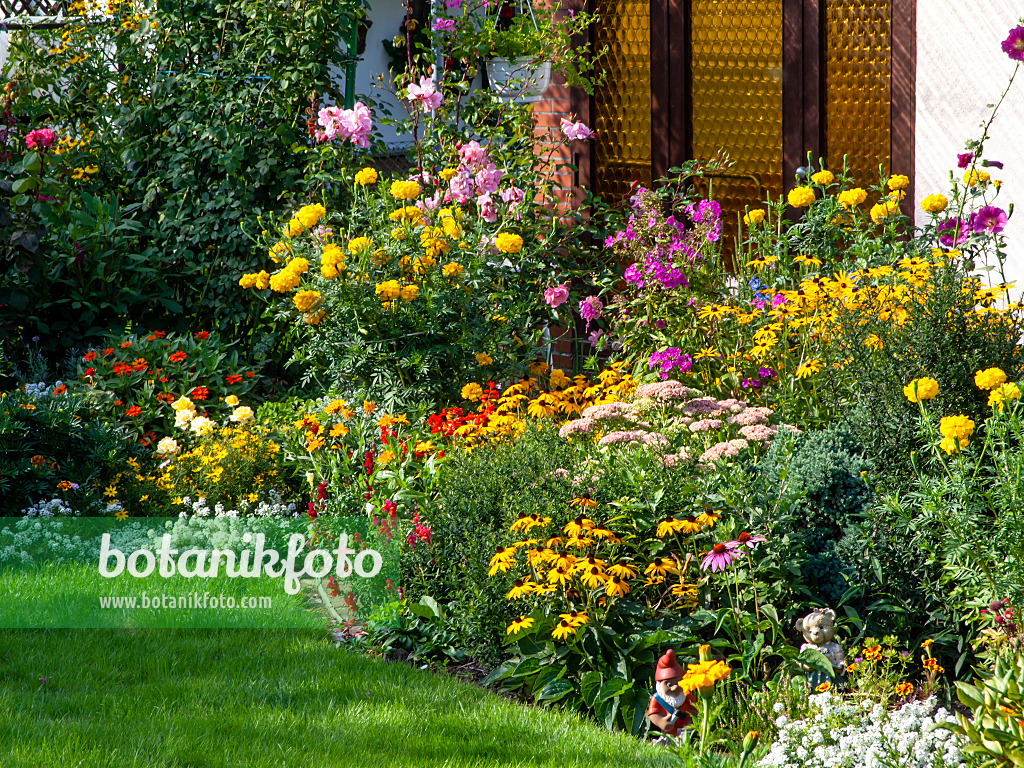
(668, 667)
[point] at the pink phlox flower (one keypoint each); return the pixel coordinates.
(444, 25)
(590, 309)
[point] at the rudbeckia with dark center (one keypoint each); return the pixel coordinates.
(521, 588)
(708, 519)
(519, 624)
(502, 560)
(623, 570)
(669, 526)
(584, 501)
(661, 566)
(616, 587)
(594, 577)
(575, 618)
(575, 527)
(563, 630)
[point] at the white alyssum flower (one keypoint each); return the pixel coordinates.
(840, 734)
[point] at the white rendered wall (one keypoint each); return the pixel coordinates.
(961, 68)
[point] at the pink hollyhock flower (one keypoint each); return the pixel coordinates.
(556, 296)
(746, 540)
(1013, 46)
(575, 130)
(40, 138)
(952, 232)
(487, 209)
(719, 558)
(425, 94)
(962, 161)
(988, 219)
(487, 180)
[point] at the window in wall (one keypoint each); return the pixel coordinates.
(736, 91)
(622, 104)
(858, 48)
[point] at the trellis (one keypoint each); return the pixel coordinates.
(25, 12)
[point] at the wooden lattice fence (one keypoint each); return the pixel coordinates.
(31, 8)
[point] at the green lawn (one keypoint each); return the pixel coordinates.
(204, 698)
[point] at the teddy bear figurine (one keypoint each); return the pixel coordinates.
(819, 629)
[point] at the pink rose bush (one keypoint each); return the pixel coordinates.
(40, 138)
(353, 125)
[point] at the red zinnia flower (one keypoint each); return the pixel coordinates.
(133, 411)
(108, 352)
(125, 344)
(118, 402)
(159, 334)
(90, 356)
(250, 374)
(232, 378)
(151, 337)
(202, 335)
(177, 357)
(199, 393)
(89, 372)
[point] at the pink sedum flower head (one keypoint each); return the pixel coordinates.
(577, 130)
(40, 138)
(719, 558)
(425, 94)
(1013, 46)
(556, 296)
(988, 219)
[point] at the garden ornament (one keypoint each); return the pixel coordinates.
(670, 708)
(819, 628)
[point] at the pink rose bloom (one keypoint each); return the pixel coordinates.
(556, 296)
(575, 130)
(487, 180)
(425, 94)
(472, 155)
(358, 123)
(487, 209)
(461, 186)
(512, 196)
(328, 119)
(40, 138)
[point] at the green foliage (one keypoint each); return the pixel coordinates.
(188, 114)
(50, 439)
(995, 729)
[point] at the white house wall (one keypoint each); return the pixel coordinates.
(960, 69)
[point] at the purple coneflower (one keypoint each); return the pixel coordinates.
(719, 558)
(746, 540)
(988, 219)
(1013, 46)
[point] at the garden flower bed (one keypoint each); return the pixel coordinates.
(768, 512)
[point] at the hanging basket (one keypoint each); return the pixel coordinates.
(520, 81)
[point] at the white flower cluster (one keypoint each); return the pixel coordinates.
(28, 540)
(274, 506)
(841, 734)
(51, 508)
(36, 391)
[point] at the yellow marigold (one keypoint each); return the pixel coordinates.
(852, 197)
(410, 214)
(754, 218)
(247, 281)
(958, 426)
(366, 176)
(298, 265)
(990, 378)
(279, 250)
(482, 358)
(262, 280)
(284, 281)
(703, 675)
(359, 245)
(507, 242)
(389, 290)
(800, 197)
(309, 215)
(934, 204)
(451, 269)
(409, 292)
(975, 177)
(951, 444)
(921, 389)
(1004, 393)
(898, 181)
(472, 392)
(823, 178)
(448, 173)
(404, 190)
(884, 210)
(307, 300)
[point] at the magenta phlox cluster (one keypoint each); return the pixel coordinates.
(669, 360)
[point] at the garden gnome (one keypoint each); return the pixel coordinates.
(819, 629)
(670, 708)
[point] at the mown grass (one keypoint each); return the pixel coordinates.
(240, 698)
